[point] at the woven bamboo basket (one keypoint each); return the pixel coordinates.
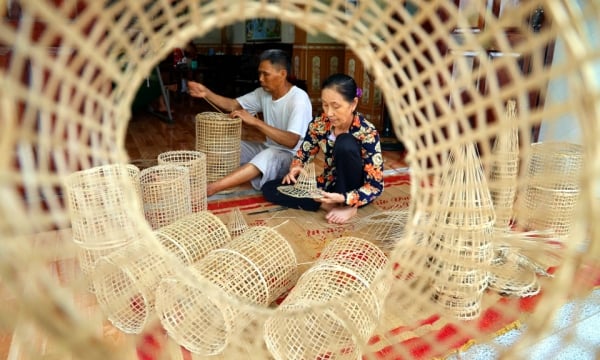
(305, 186)
(384, 228)
(256, 268)
(196, 162)
(69, 71)
(505, 169)
(219, 137)
(552, 187)
(334, 307)
(165, 194)
(95, 222)
(125, 283)
(236, 224)
(193, 236)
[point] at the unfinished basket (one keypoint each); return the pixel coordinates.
(385, 228)
(511, 277)
(219, 137)
(192, 237)
(305, 186)
(460, 242)
(236, 224)
(334, 307)
(96, 221)
(505, 168)
(125, 283)
(256, 268)
(166, 194)
(196, 162)
(552, 187)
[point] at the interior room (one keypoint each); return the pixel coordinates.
(471, 234)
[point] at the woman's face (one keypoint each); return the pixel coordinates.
(339, 111)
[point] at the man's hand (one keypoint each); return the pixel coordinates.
(246, 117)
(197, 90)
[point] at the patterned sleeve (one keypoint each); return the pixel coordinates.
(373, 169)
(310, 145)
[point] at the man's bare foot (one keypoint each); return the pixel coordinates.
(210, 189)
(341, 214)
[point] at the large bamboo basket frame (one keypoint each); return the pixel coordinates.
(63, 111)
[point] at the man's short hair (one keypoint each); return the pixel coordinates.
(277, 57)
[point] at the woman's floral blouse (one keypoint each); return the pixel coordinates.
(318, 137)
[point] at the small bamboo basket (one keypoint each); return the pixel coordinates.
(305, 186)
(552, 187)
(219, 137)
(92, 194)
(334, 307)
(196, 162)
(166, 194)
(192, 237)
(236, 224)
(255, 268)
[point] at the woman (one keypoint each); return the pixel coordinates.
(353, 172)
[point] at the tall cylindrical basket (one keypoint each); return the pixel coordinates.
(166, 194)
(219, 137)
(196, 162)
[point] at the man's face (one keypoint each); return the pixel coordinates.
(270, 76)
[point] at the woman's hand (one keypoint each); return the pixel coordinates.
(331, 198)
(292, 176)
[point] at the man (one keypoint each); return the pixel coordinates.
(286, 111)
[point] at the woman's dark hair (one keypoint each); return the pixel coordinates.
(343, 84)
(277, 57)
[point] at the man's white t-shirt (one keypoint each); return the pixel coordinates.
(291, 112)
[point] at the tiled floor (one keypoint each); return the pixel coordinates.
(574, 336)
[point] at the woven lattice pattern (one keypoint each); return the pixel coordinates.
(193, 236)
(305, 186)
(384, 228)
(552, 187)
(505, 169)
(96, 221)
(125, 283)
(256, 267)
(236, 224)
(219, 137)
(70, 70)
(195, 161)
(165, 194)
(334, 307)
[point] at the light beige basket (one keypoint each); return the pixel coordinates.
(166, 194)
(193, 236)
(125, 283)
(460, 242)
(219, 137)
(512, 277)
(236, 224)
(196, 162)
(505, 168)
(93, 194)
(256, 267)
(305, 186)
(334, 307)
(552, 190)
